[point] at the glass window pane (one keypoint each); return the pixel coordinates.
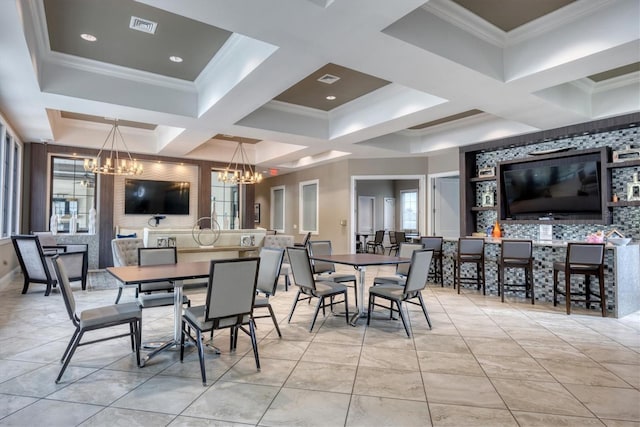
(6, 182)
(15, 195)
(73, 192)
(409, 209)
(277, 208)
(225, 200)
(309, 206)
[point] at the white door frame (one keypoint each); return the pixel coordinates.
(431, 179)
(422, 219)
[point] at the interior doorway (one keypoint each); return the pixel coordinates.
(444, 204)
(365, 215)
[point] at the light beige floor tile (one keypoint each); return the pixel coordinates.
(630, 373)
(447, 363)
(51, 412)
(167, 395)
(388, 358)
(519, 367)
(620, 423)
(441, 343)
(461, 390)
(609, 402)
(532, 419)
(332, 353)
(561, 351)
(117, 417)
(322, 377)
(582, 372)
(183, 421)
(234, 402)
(10, 404)
(41, 382)
(388, 337)
(469, 416)
(311, 408)
(366, 411)
(537, 396)
(389, 383)
(494, 346)
(282, 349)
(272, 371)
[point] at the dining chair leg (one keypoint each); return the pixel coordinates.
(346, 307)
(70, 355)
(293, 307)
(567, 295)
(64, 355)
(254, 342)
(424, 310)
(402, 317)
(200, 346)
(315, 312)
(603, 295)
(275, 322)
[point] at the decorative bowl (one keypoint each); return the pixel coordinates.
(619, 241)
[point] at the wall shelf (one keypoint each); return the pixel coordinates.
(626, 164)
(623, 203)
(482, 178)
(484, 208)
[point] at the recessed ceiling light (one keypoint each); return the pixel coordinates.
(88, 37)
(175, 59)
(331, 97)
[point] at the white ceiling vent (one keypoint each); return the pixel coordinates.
(143, 25)
(329, 79)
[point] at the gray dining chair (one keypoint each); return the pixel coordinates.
(309, 287)
(157, 294)
(95, 318)
(470, 251)
(125, 253)
(229, 304)
(412, 289)
(405, 251)
(268, 273)
(327, 270)
(516, 254)
(435, 243)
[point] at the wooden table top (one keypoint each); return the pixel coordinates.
(154, 273)
(361, 260)
(218, 249)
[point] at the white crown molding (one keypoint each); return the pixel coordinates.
(288, 108)
(617, 82)
(584, 84)
(559, 18)
(467, 21)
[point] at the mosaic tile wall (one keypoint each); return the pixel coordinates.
(625, 219)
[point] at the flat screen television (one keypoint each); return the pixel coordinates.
(567, 187)
(147, 197)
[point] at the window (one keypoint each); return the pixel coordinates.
(277, 208)
(73, 193)
(309, 206)
(10, 160)
(225, 201)
(409, 209)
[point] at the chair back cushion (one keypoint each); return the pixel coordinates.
(270, 264)
(45, 238)
(379, 237)
(516, 249)
(301, 268)
(470, 246)
(157, 256)
(406, 251)
(125, 251)
(232, 288)
(320, 248)
(31, 257)
(585, 253)
(418, 271)
(432, 242)
(60, 267)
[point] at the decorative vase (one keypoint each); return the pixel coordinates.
(496, 230)
(53, 224)
(73, 224)
(92, 220)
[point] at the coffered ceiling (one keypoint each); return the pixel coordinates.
(404, 78)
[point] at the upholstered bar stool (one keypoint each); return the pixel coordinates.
(435, 244)
(585, 259)
(516, 254)
(470, 251)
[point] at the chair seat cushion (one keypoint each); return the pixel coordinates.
(285, 269)
(261, 302)
(470, 258)
(338, 278)
(389, 280)
(159, 300)
(515, 261)
(560, 266)
(196, 316)
(325, 287)
(109, 314)
(390, 292)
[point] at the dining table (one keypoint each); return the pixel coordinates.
(360, 261)
(176, 274)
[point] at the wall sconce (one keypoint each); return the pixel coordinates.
(343, 222)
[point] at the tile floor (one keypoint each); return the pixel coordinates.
(484, 364)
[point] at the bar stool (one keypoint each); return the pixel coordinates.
(516, 254)
(470, 251)
(586, 259)
(435, 244)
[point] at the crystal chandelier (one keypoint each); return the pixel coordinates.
(114, 162)
(239, 171)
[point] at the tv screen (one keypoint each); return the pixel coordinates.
(568, 187)
(156, 197)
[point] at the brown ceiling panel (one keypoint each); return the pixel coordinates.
(616, 72)
(233, 138)
(309, 92)
(447, 119)
(510, 14)
(117, 44)
(108, 121)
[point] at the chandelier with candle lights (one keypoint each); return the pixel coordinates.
(114, 162)
(239, 171)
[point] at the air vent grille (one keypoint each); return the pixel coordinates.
(143, 25)
(329, 79)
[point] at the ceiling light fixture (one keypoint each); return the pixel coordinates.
(88, 37)
(239, 171)
(114, 164)
(175, 59)
(331, 97)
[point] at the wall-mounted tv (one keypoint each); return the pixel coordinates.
(561, 187)
(156, 197)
